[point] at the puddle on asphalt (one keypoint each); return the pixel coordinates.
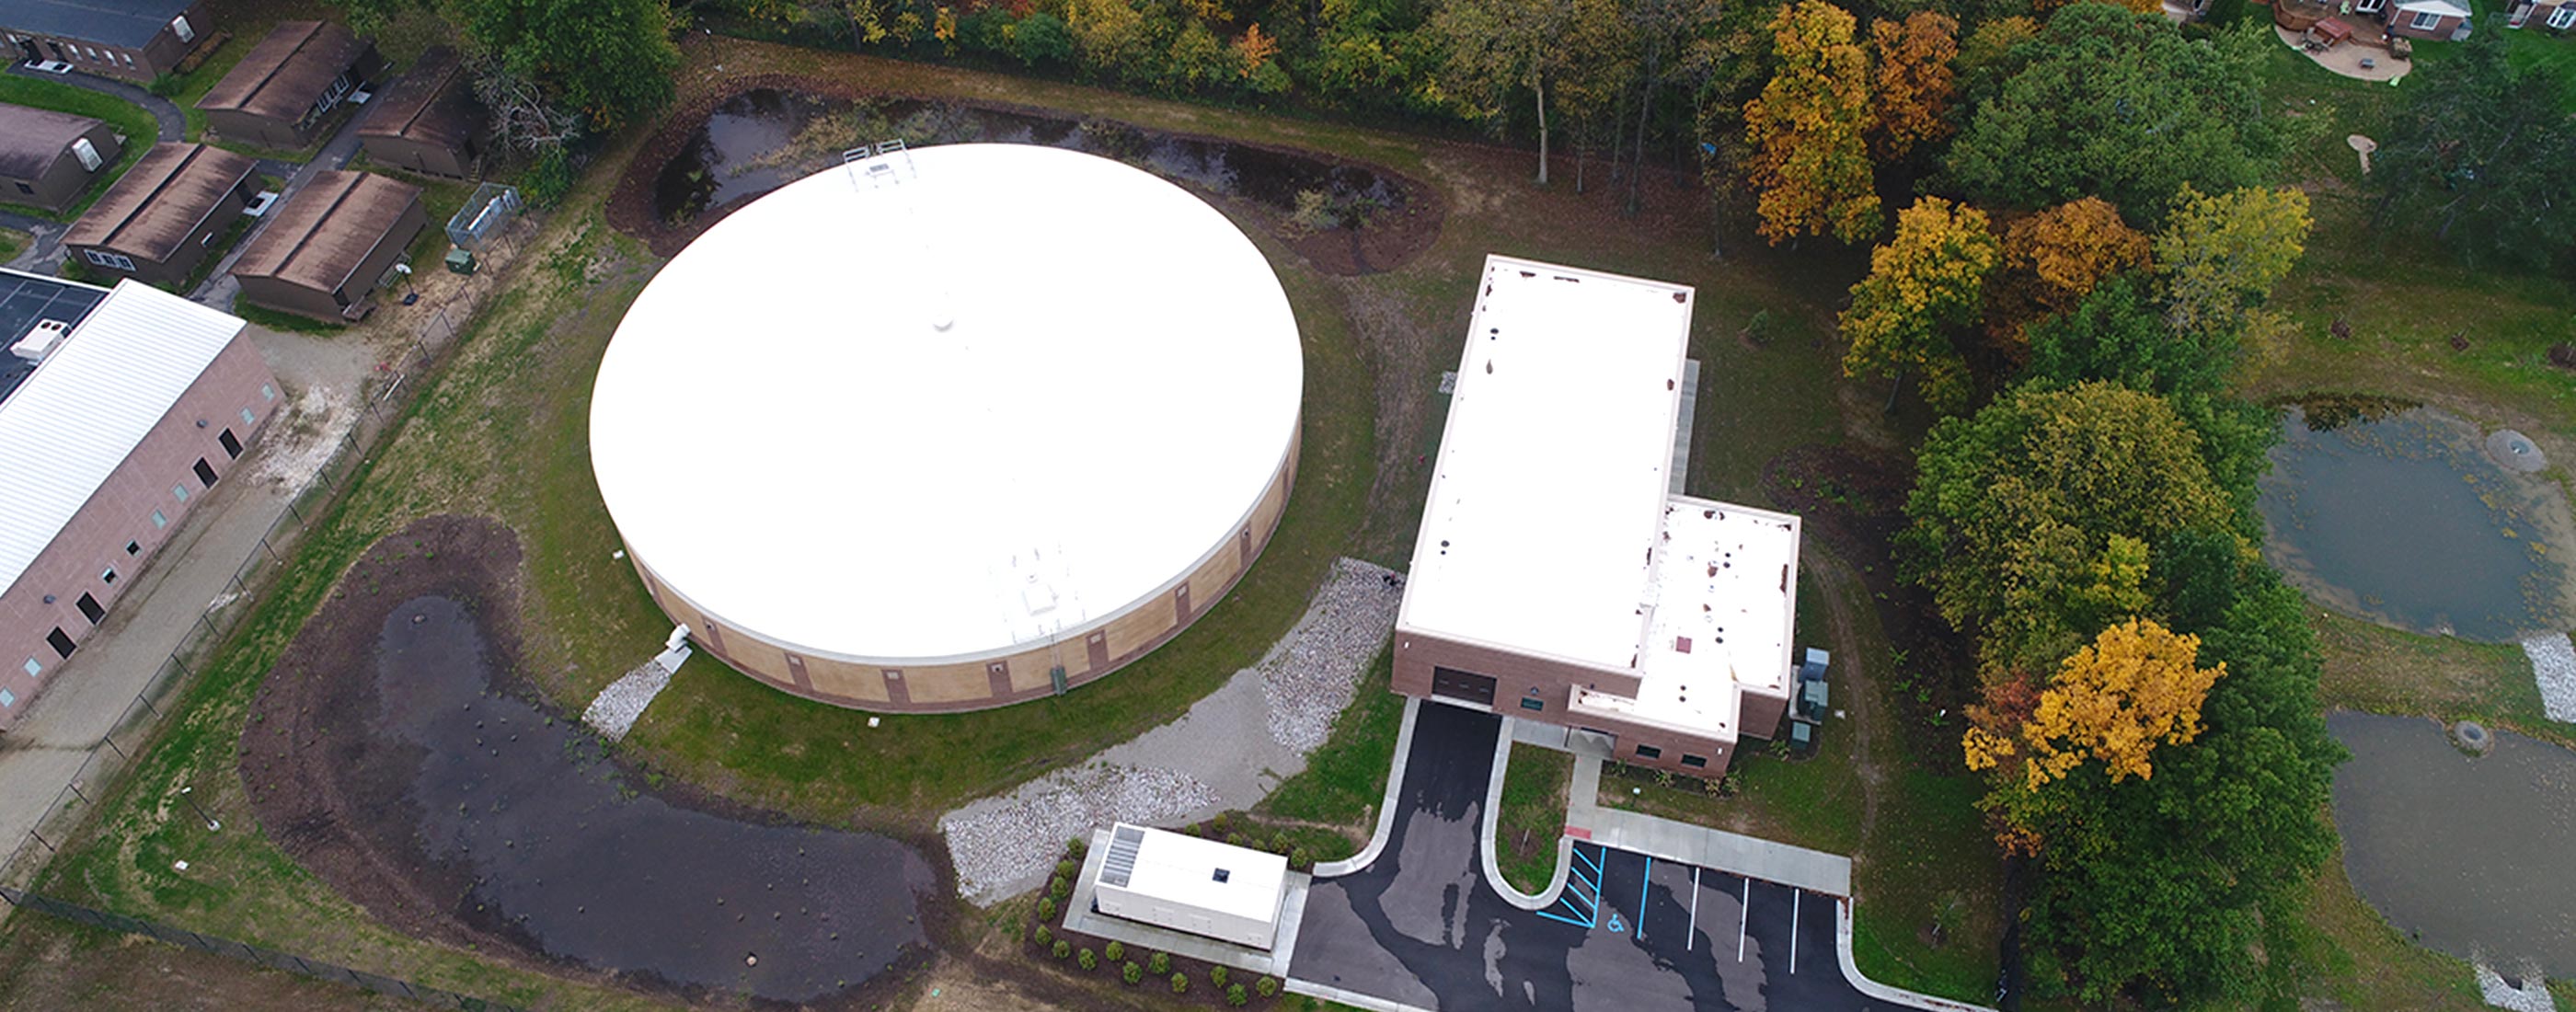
(2395, 514)
(764, 139)
(564, 849)
(2468, 856)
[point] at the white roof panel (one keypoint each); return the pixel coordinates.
(2440, 7)
(988, 396)
(1550, 484)
(87, 407)
(1183, 869)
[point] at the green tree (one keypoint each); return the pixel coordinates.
(2116, 334)
(1810, 155)
(609, 61)
(2024, 516)
(1498, 48)
(2478, 150)
(1922, 285)
(2221, 255)
(2118, 105)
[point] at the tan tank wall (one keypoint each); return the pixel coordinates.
(986, 683)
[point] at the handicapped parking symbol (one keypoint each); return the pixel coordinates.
(1617, 926)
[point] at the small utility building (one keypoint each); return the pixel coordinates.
(119, 411)
(327, 250)
(426, 121)
(1184, 883)
(48, 159)
(137, 40)
(279, 93)
(1558, 577)
(156, 222)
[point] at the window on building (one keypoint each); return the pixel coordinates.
(61, 642)
(267, 392)
(34, 670)
(8, 698)
(2426, 21)
(108, 576)
(1534, 705)
(88, 154)
(134, 548)
(1222, 875)
(2369, 6)
(232, 444)
(1694, 761)
(104, 258)
(181, 491)
(1649, 752)
(205, 472)
(90, 609)
(24, 188)
(127, 57)
(180, 27)
(248, 418)
(159, 521)
(2563, 18)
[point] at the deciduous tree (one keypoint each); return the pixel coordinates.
(2135, 687)
(2053, 259)
(1923, 284)
(2479, 151)
(2221, 255)
(609, 61)
(1499, 47)
(1913, 80)
(1810, 157)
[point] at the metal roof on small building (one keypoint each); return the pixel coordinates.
(130, 24)
(327, 230)
(430, 104)
(158, 203)
(90, 404)
(287, 72)
(31, 139)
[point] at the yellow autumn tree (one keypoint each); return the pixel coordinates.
(2138, 685)
(1913, 79)
(2221, 255)
(1810, 158)
(1925, 282)
(2053, 259)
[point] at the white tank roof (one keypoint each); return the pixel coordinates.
(997, 395)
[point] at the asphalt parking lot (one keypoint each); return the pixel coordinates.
(1419, 926)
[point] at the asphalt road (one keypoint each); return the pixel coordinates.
(1420, 926)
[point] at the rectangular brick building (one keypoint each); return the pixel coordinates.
(137, 40)
(120, 410)
(1557, 578)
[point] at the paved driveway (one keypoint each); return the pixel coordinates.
(1420, 927)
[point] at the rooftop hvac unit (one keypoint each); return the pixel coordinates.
(41, 340)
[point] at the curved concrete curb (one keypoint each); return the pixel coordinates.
(1485, 838)
(1385, 805)
(1874, 989)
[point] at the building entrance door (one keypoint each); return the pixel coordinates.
(1463, 686)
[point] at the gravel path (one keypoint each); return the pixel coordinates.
(2553, 664)
(1226, 753)
(614, 712)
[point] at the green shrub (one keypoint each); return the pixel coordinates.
(1180, 983)
(1161, 962)
(1075, 847)
(1090, 960)
(1044, 936)
(1131, 973)
(1060, 887)
(1234, 995)
(1066, 869)
(1301, 857)
(1117, 952)
(1216, 975)
(1268, 987)
(1046, 908)
(549, 178)
(1062, 948)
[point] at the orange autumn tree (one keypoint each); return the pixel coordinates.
(1810, 158)
(2136, 686)
(2053, 259)
(1913, 79)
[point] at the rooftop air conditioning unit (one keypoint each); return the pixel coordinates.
(41, 341)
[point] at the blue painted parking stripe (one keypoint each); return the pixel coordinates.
(1644, 879)
(1568, 920)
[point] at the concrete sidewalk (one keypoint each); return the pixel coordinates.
(1812, 870)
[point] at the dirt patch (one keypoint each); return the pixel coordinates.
(369, 760)
(61, 965)
(1390, 238)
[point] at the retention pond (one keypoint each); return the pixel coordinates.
(2398, 514)
(429, 789)
(2467, 855)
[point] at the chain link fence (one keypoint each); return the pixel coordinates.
(270, 958)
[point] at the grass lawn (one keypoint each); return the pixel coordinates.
(2529, 47)
(1346, 779)
(12, 243)
(1531, 816)
(129, 120)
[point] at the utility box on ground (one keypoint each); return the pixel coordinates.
(1184, 883)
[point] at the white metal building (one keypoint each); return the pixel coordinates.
(1185, 883)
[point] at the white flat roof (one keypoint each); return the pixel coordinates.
(1183, 869)
(1001, 395)
(87, 406)
(1550, 528)
(1546, 497)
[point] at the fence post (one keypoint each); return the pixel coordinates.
(40, 838)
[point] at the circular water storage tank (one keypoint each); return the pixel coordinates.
(949, 428)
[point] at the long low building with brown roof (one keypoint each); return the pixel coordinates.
(428, 120)
(137, 40)
(279, 93)
(156, 223)
(48, 159)
(331, 246)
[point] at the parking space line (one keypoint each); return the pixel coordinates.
(1644, 879)
(1794, 896)
(1690, 935)
(1744, 914)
